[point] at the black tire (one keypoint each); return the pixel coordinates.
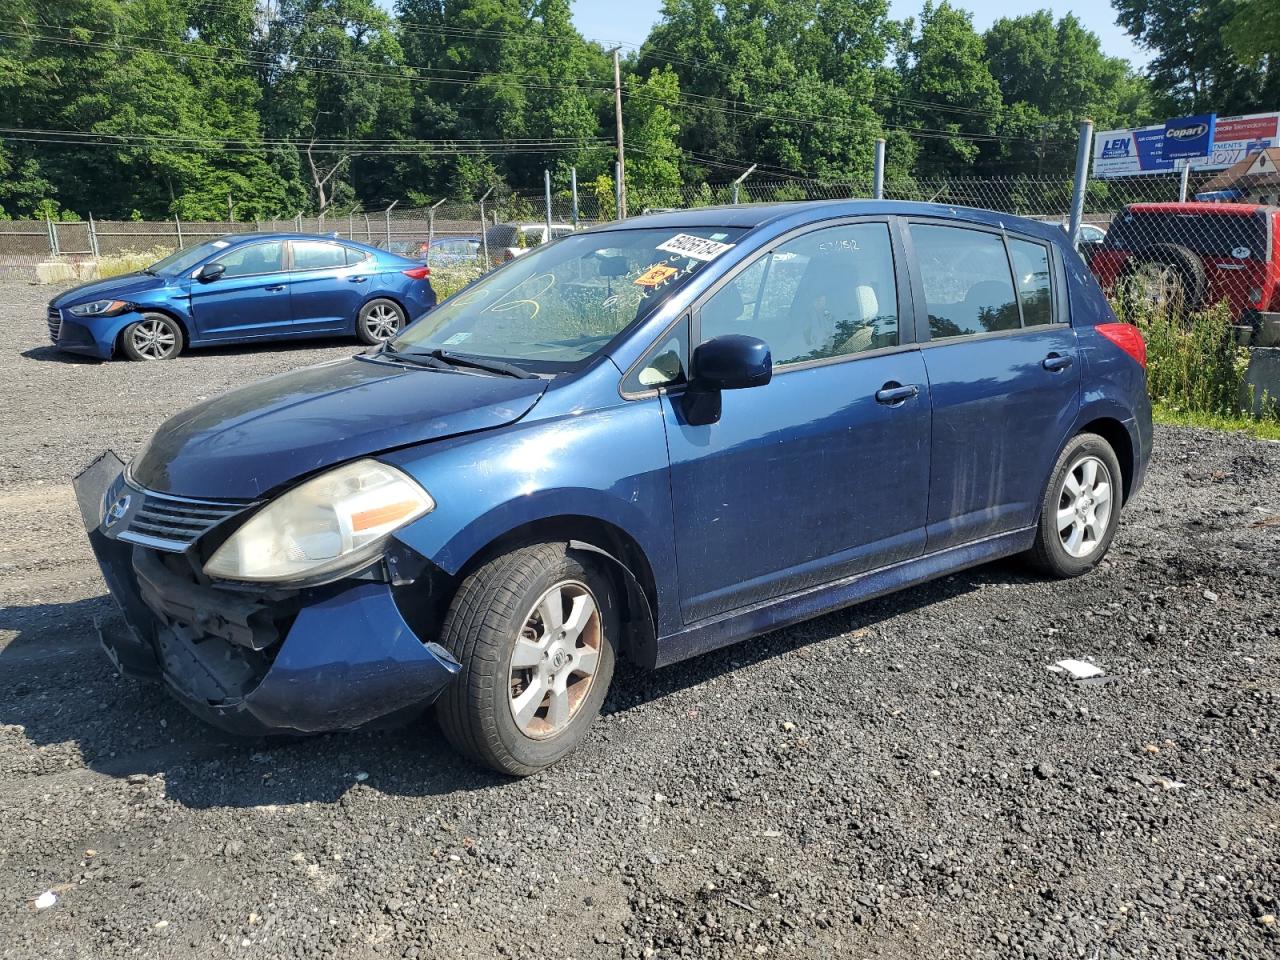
(1050, 553)
(1180, 262)
(154, 337)
(373, 321)
(492, 608)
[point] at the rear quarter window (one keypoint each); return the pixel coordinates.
(1209, 233)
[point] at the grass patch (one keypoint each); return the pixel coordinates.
(1172, 416)
(130, 261)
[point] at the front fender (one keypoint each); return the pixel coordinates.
(608, 465)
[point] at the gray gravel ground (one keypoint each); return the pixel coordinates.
(902, 779)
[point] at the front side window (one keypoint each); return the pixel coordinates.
(828, 293)
(967, 285)
(1031, 270)
(253, 259)
(317, 255)
(560, 304)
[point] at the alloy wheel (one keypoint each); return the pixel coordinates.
(382, 322)
(153, 339)
(1085, 501)
(555, 658)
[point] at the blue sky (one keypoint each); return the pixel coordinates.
(629, 21)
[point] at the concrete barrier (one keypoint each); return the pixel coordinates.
(1262, 380)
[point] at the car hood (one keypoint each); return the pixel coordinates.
(246, 443)
(122, 288)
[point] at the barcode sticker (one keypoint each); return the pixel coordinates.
(696, 248)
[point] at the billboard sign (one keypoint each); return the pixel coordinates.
(1188, 138)
(1127, 153)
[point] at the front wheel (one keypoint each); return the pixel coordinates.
(154, 337)
(534, 630)
(1080, 510)
(379, 321)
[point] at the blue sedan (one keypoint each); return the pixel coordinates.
(240, 289)
(646, 440)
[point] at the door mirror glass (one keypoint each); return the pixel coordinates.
(210, 272)
(733, 361)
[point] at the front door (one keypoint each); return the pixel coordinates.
(251, 298)
(824, 471)
(1004, 376)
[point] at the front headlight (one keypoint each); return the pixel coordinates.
(99, 308)
(332, 522)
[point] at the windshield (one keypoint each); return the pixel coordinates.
(555, 307)
(183, 260)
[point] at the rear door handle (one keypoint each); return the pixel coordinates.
(356, 279)
(1055, 362)
(894, 394)
(274, 288)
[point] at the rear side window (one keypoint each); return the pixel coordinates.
(967, 285)
(355, 256)
(316, 255)
(1031, 271)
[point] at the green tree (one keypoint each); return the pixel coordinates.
(1051, 75)
(1252, 32)
(1195, 66)
(954, 100)
(788, 84)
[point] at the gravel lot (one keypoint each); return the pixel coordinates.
(902, 779)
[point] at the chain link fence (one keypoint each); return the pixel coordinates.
(1193, 257)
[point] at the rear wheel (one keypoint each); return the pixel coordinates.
(1080, 510)
(154, 337)
(534, 631)
(379, 321)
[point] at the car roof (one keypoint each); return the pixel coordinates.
(1192, 206)
(752, 216)
(238, 238)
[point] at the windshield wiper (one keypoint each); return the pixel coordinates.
(409, 356)
(481, 363)
(149, 272)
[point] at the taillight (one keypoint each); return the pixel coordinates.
(1128, 338)
(417, 273)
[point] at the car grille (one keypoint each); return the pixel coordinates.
(171, 523)
(55, 323)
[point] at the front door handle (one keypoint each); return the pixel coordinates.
(894, 394)
(356, 279)
(1055, 362)
(274, 288)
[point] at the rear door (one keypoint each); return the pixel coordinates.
(1004, 375)
(251, 298)
(328, 282)
(822, 472)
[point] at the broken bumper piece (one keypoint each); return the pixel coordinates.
(336, 657)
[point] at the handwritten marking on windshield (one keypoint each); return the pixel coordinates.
(505, 305)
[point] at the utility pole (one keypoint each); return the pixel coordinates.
(617, 109)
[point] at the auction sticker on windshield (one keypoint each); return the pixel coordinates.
(656, 275)
(696, 248)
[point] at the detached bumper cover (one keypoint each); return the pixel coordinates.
(252, 665)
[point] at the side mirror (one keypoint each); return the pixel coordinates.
(730, 362)
(210, 272)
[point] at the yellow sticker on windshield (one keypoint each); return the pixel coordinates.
(658, 274)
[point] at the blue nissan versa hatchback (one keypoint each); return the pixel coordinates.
(240, 289)
(649, 439)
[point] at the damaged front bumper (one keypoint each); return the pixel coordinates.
(336, 657)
